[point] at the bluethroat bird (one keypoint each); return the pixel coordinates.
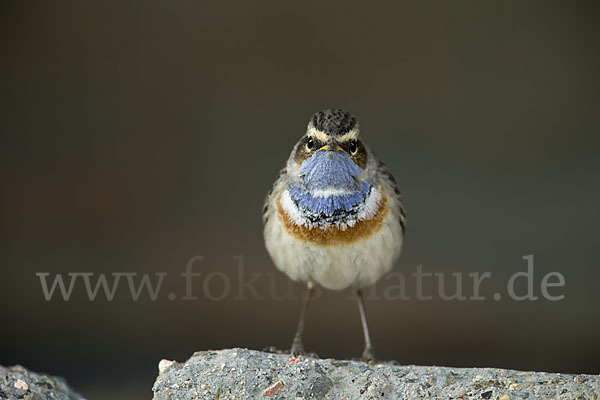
(334, 216)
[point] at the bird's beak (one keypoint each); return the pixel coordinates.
(331, 147)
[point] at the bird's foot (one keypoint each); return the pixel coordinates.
(368, 356)
(273, 349)
(297, 346)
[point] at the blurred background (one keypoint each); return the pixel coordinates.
(137, 135)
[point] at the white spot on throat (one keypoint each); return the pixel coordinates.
(366, 211)
(327, 192)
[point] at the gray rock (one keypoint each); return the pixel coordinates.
(19, 383)
(247, 374)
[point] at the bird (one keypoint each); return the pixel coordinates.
(334, 216)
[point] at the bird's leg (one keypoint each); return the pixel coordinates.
(297, 346)
(368, 354)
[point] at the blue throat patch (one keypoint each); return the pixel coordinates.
(330, 170)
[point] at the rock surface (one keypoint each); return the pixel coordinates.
(247, 374)
(19, 383)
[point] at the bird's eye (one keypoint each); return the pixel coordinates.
(310, 144)
(353, 146)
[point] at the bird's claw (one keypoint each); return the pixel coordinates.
(272, 349)
(368, 356)
(297, 347)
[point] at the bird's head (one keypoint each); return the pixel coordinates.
(330, 156)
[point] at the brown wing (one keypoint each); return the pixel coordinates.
(388, 178)
(267, 202)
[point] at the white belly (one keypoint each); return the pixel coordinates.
(360, 263)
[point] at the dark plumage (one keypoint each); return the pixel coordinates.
(333, 121)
